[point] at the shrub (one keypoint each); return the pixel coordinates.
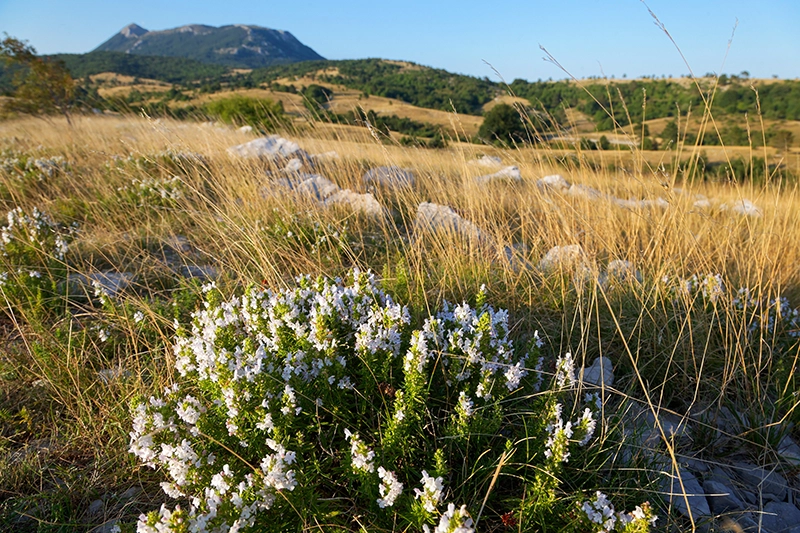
(503, 124)
(320, 406)
(32, 264)
(262, 114)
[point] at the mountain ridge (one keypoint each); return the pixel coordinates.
(233, 45)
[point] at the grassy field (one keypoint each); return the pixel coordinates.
(163, 208)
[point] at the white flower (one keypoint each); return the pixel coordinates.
(453, 521)
(431, 493)
(390, 488)
(565, 371)
(138, 316)
(600, 511)
(465, 405)
(361, 456)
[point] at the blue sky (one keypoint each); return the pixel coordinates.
(588, 37)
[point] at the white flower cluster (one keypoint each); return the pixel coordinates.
(390, 488)
(773, 314)
(361, 456)
(431, 493)
(565, 371)
(453, 521)
(476, 352)
(269, 357)
(561, 433)
(37, 230)
(600, 511)
(154, 191)
(22, 166)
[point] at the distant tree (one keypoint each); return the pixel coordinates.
(261, 113)
(502, 124)
(42, 85)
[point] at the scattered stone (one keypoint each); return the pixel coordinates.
(789, 451)
(246, 129)
(112, 526)
(584, 191)
(437, 217)
(696, 465)
(770, 483)
(200, 272)
(721, 498)
(394, 177)
(364, 203)
(487, 161)
(271, 147)
(326, 193)
(702, 203)
(96, 508)
(621, 271)
(316, 187)
(640, 204)
(744, 207)
(599, 373)
(780, 517)
(690, 497)
(179, 244)
(112, 283)
(555, 182)
(130, 493)
(295, 164)
(563, 257)
(511, 173)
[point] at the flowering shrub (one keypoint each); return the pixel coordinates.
(153, 192)
(322, 405)
(33, 250)
(23, 167)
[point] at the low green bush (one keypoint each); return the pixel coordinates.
(262, 114)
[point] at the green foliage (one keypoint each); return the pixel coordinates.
(389, 123)
(169, 69)
(503, 125)
(41, 86)
(262, 114)
(417, 85)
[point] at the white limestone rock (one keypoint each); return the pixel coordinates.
(435, 217)
(600, 373)
(363, 203)
(619, 272)
(566, 257)
(584, 191)
(744, 207)
(271, 147)
(684, 493)
(510, 173)
(394, 177)
(553, 182)
(487, 161)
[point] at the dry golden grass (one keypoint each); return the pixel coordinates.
(663, 356)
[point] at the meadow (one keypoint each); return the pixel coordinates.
(140, 253)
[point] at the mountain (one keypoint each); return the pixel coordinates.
(234, 46)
